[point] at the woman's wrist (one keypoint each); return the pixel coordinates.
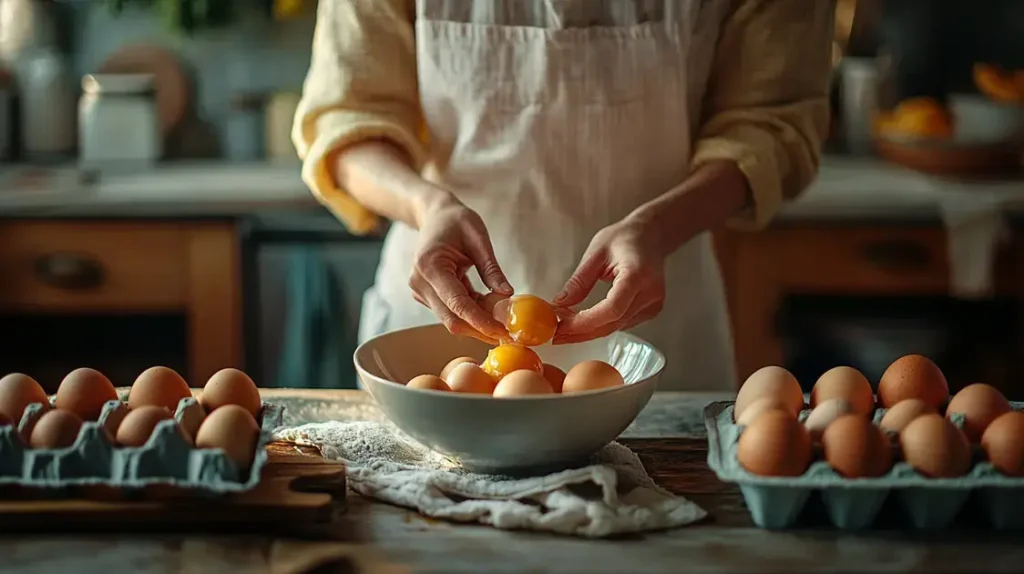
(427, 197)
(709, 197)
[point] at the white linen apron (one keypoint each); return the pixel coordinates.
(552, 130)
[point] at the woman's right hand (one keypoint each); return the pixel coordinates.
(452, 238)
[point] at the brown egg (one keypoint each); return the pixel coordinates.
(231, 387)
(454, 363)
(591, 376)
(521, 383)
(84, 392)
(825, 413)
(428, 382)
(470, 378)
(139, 423)
(158, 386)
(5, 421)
(898, 416)
(856, 448)
(555, 376)
(935, 448)
(56, 429)
(770, 382)
(17, 391)
(980, 404)
(775, 444)
(759, 407)
(232, 429)
(1003, 443)
(848, 384)
(913, 377)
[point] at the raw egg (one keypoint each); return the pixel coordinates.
(759, 407)
(770, 382)
(913, 377)
(980, 404)
(231, 387)
(522, 383)
(856, 448)
(17, 391)
(454, 363)
(232, 429)
(591, 376)
(470, 378)
(1003, 443)
(845, 383)
(428, 382)
(158, 386)
(825, 413)
(899, 415)
(84, 392)
(56, 429)
(935, 448)
(530, 320)
(509, 357)
(775, 444)
(139, 423)
(555, 376)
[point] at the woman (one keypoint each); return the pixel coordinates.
(579, 150)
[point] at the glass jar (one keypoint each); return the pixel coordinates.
(119, 126)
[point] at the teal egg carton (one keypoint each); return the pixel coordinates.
(853, 504)
(167, 458)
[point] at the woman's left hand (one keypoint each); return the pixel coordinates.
(628, 255)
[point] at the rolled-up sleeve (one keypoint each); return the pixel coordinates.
(361, 85)
(767, 100)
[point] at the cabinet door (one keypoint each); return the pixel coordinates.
(351, 266)
(761, 268)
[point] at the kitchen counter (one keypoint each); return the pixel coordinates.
(669, 439)
(847, 188)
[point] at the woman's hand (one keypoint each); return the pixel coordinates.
(627, 255)
(452, 239)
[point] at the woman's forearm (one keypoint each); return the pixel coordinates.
(711, 195)
(380, 176)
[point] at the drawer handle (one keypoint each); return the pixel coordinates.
(69, 271)
(898, 255)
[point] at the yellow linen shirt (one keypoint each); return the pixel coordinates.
(765, 107)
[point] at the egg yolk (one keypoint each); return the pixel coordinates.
(531, 321)
(509, 357)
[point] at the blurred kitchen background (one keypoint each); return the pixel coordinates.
(151, 210)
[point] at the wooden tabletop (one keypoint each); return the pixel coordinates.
(675, 457)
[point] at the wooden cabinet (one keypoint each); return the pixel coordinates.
(760, 268)
(82, 267)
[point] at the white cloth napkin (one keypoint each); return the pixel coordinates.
(612, 495)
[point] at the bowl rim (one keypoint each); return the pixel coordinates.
(449, 395)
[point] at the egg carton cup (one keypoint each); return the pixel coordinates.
(853, 504)
(167, 459)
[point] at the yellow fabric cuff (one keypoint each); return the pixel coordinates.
(762, 176)
(337, 130)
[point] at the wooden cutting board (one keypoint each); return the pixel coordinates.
(297, 490)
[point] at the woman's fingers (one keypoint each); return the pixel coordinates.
(614, 308)
(481, 253)
(456, 325)
(638, 313)
(456, 300)
(582, 281)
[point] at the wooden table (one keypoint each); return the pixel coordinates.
(667, 437)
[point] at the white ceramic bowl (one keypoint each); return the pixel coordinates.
(514, 435)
